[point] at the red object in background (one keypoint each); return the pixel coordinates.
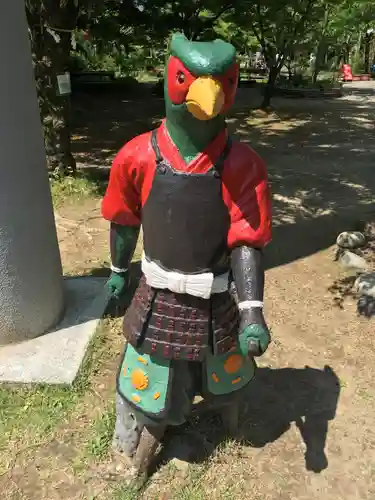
(86, 35)
(348, 76)
(347, 72)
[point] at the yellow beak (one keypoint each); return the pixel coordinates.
(205, 98)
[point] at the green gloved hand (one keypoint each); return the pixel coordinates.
(254, 336)
(118, 284)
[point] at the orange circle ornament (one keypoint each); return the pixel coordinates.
(139, 380)
(233, 363)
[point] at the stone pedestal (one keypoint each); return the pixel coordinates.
(31, 284)
(56, 357)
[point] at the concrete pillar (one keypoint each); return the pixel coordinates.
(31, 284)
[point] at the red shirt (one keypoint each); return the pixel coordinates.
(244, 177)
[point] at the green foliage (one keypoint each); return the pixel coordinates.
(243, 39)
(88, 56)
(292, 29)
(123, 492)
(75, 188)
(29, 415)
(192, 17)
(101, 434)
(33, 411)
(131, 37)
(356, 63)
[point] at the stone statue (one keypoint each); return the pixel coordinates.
(196, 320)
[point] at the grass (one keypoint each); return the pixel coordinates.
(81, 418)
(172, 486)
(75, 188)
(125, 493)
(193, 489)
(30, 416)
(101, 434)
(35, 421)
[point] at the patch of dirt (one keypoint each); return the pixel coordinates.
(99, 132)
(308, 425)
(60, 467)
(83, 237)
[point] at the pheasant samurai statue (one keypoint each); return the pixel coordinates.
(196, 320)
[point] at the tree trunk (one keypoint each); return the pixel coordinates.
(358, 46)
(317, 63)
(51, 51)
(367, 52)
(54, 108)
(269, 88)
(290, 68)
(320, 50)
(372, 52)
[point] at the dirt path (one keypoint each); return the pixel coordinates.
(323, 181)
(308, 422)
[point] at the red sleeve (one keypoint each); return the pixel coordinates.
(122, 201)
(247, 195)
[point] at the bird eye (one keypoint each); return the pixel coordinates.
(180, 77)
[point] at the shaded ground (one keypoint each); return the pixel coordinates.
(319, 155)
(308, 421)
(104, 123)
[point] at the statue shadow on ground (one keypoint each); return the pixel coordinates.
(275, 400)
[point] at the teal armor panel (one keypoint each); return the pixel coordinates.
(229, 372)
(145, 382)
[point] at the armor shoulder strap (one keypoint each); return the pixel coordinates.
(219, 165)
(155, 146)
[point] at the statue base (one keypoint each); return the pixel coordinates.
(56, 356)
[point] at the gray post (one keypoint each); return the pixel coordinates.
(31, 284)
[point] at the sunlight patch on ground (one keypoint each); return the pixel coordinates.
(289, 200)
(328, 146)
(358, 187)
(361, 121)
(273, 125)
(297, 206)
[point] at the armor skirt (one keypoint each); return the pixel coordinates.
(180, 326)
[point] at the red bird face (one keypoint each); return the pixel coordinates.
(180, 85)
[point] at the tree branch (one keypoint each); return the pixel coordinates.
(303, 18)
(261, 27)
(219, 14)
(208, 24)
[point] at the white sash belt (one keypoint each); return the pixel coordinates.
(199, 285)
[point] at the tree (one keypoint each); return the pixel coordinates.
(321, 40)
(130, 25)
(51, 24)
(278, 27)
(348, 30)
(192, 17)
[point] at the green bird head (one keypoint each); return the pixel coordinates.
(199, 88)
